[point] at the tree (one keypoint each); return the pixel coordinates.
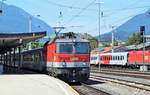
(134, 39)
(115, 43)
(36, 45)
(93, 41)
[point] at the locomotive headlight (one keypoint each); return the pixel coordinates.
(85, 64)
(64, 64)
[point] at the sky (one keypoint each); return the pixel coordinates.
(81, 16)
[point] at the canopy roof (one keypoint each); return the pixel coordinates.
(12, 40)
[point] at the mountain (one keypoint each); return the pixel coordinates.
(128, 28)
(16, 20)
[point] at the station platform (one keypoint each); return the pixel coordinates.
(33, 84)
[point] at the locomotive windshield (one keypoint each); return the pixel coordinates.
(81, 48)
(70, 48)
(65, 48)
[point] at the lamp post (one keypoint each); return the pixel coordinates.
(112, 38)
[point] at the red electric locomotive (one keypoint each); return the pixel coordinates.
(68, 57)
(136, 57)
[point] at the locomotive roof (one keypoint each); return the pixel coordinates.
(68, 37)
(71, 40)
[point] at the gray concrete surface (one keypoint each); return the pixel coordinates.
(33, 85)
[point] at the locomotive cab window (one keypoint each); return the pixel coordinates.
(81, 47)
(64, 48)
(70, 48)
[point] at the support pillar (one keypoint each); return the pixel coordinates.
(10, 64)
(19, 64)
(19, 48)
(4, 59)
(1, 58)
(14, 55)
(7, 58)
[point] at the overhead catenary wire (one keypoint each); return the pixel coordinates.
(66, 6)
(130, 7)
(81, 11)
(79, 8)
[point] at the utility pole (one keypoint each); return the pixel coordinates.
(142, 33)
(112, 38)
(99, 24)
(58, 30)
(99, 16)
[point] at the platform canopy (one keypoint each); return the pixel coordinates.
(12, 40)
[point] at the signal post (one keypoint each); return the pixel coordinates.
(143, 67)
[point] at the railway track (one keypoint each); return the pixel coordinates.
(133, 84)
(119, 70)
(145, 75)
(85, 89)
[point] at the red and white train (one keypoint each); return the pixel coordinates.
(121, 58)
(66, 57)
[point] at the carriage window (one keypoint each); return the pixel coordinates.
(104, 58)
(93, 58)
(110, 57)
(122, 58)
(113, 58)
(29, 58)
